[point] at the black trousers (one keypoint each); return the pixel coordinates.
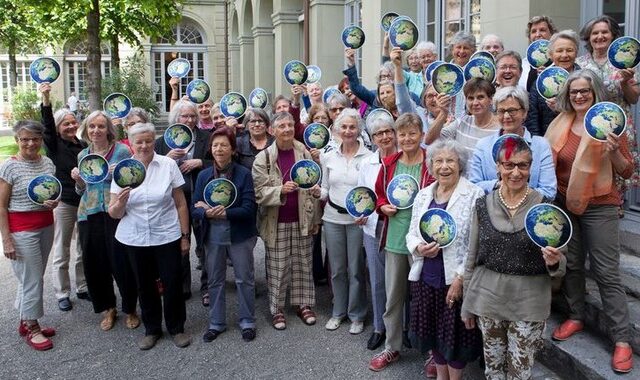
(149, 263)
(104, 259)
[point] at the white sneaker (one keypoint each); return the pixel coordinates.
(356, 327)
(333, 323)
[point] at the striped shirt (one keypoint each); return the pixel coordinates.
(465, 131)
(18, 174)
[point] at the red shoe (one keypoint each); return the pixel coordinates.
(622, 360)
(42, 346)
(23, 330)
(383, 359)
(430, 370)
(567, 329)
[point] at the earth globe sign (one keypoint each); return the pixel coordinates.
(624, 52)
(387, 19)
(220, 192)
(178, 136)
(550, 81)
(258, 98)
(429, 70)
(44, 69)
(316, 135)
(537, 53)
(403, 33)
(306, 173)
(353, 37)
(198, 91)
(44, 188)
(447, 79)
(438, 225)
(604, 118)
(483, 54)
(295, 72)
(179, 68)
(402, 190)
(93, 168)
(480, 68)
(314, 73)
(233, 104)
(548, 225)
(328, 93)
(129, 173)
(498, 144)
(117, 105)
(360, 202)
(378, 114)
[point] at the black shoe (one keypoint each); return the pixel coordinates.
(405, 339)
(376, 340)
(65, 304)
(248, 334)
(84, 296)
(210, 335)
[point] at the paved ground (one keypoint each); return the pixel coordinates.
(82, 350)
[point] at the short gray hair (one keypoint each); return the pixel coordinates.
(339, 98)
(139, 112)
(29, 126)
(463, 38)
(514, 92)
(139, 128)
(380, 123)
(426, 45)
(60, 114)
(84, 128)
(348, 113)
(279, 116)
(177, 108)
(566, 34)
(451, 146)
(510, 53)
(563, 102)
(491, 37)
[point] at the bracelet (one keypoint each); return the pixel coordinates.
(185, 236)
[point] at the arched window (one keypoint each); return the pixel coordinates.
(75, 65)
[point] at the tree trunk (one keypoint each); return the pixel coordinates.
(13, 66)
(94, 76)
(115, 52)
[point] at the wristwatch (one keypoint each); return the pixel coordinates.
(185, 236)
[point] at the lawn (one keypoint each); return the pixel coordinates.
(8, 147)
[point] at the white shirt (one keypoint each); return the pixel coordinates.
(369, 169)
(73, 103)
(151, 217)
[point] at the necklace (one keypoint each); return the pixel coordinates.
(517, 205)
(101, 152)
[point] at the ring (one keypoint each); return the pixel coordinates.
(450, 301)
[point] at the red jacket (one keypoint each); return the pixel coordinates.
(385, 175)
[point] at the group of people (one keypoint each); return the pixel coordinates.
(488, 293)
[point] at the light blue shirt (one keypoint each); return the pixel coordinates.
(483, 172)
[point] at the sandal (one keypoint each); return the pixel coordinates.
(306, 315)
(132, 321)
(205, 300)
(33, 331)
(278, 322)
(23, 330)
(109, 319)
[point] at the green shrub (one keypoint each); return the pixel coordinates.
(25, 105)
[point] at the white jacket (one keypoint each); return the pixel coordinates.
(461, 206)
(369, 169)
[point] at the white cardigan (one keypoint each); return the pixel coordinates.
(461, 206)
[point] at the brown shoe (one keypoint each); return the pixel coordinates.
(279, 322)
(307, 315)
(181, 340)
(109, 319)
(132, 321)
(148, 341)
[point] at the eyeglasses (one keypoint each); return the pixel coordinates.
(257, 121)
(582, 91)
(510, 111)
(26, 140)
(336, 109)
(187, 117)
(522, 166)
(383, 133)
(508, 67)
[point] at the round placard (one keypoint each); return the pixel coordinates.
(44, 188)
(44, 69)
(437, 225)
(178, 136)
(93, 168)
(117, 105)
(548, 225)
(129, 173)
(220, 192)
(402, 190)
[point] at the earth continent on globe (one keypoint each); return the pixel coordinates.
(316, 136)
(360, 202)
(624, 52)
(402, 190)
(93, 168)
(129, 173)
(437, 225)
(604, 118)
(305, 173)
(547, 225)
(220, 191)
(44, 188)
(550, 81)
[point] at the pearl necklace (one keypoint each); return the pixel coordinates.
(526, 194)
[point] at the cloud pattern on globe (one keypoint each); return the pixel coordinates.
(44, 188)
(295, 72)
(624, 52)
(198, 91)
(537, 53)
(480, 68)
(316, 136)
(233, 104)
(360, 202)
(402, 190)
(314, 74)
(93, 168)
(117, 105)
(129, 173)
(604, 118)
(220, 192)
(306, 173)
(550, 81)
(178, 68)
(44, 69)
(548, 225)
(439, 226)
(258, 98)
(448, 79)
(178, 136)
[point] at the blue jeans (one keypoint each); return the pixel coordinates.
(241, 256)
(376, 262)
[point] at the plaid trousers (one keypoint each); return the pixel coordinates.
(290, 262)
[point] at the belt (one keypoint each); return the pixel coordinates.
(341, 210)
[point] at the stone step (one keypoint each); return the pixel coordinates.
(630, 234)
(583, 356)
(630, 273)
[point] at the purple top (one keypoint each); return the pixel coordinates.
(433, 268)
(289, 211)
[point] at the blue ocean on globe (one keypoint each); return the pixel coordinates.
(624, 52)
(360, 202)
(178, 136)
(439, 226)
(402, 190)
(387, 19)
(117, 105)
(483, 54)
(353, 37)
(93, 168)
(604, 118)
(316, 136)
(44, 69)
(328, 93)
(429, 70)
(306, 173)
(44, 188)
(403, 33)
(258, 98)
(448, 79)
(220, 191)
(548, 225)
(295, 72)
(480, 68)
(233, 104)
(498, 144)
(198, 91)
(314, 73)
(129, 173)
(537, 53)
(550, 81)
(179, 68)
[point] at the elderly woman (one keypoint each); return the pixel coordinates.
(190, 161)
(104, 258)
(356, 102)
(288, 219)
(538, 28)
(27, 229)
(383, 134)
(462, 46)
(63, 147)
(427, 53)
(409, 160)
(592, 209)
(154, 229)
(256, 121)
(229, 233)
(437, 273)
(340, 169)
(493, 44)
(563, 49)
(135, 116)
(507, 280)
(512, 104)
(508, 69)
